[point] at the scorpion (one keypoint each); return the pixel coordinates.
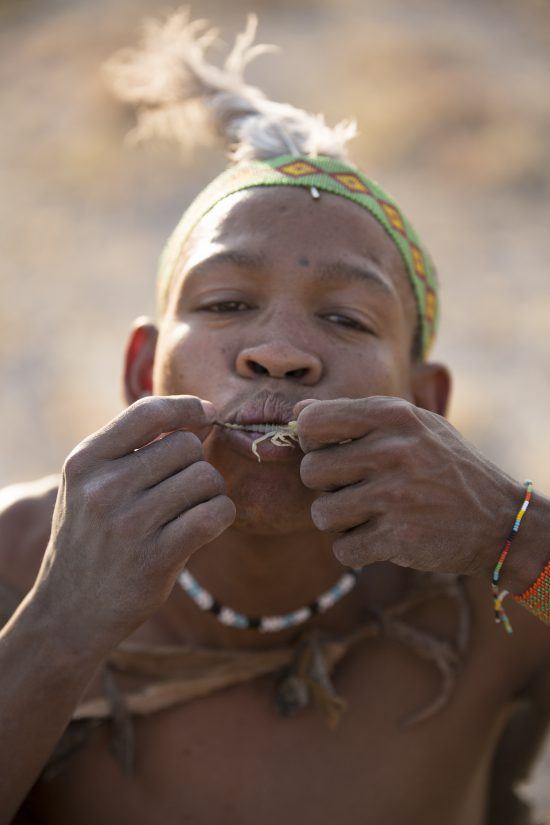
(282, 435)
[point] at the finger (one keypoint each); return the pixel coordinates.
(159, 460)
(198, 526)
(336, 466)
(343, 509)
(145, 420)
(301, 405)
(331, 422)
(365, 544)
(181, 492)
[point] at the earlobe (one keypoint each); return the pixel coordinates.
(431, 387)
(139, 360)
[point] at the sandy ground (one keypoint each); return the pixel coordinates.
(454, 111)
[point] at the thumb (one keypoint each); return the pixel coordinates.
(301, 405)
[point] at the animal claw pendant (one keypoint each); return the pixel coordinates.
(282, 435)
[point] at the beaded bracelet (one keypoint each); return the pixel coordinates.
(500, 595)
(537, 597)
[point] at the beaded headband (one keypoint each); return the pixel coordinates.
(329, 175)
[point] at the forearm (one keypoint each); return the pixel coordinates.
(43, 675)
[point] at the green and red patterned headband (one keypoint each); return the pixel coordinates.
(329, 175)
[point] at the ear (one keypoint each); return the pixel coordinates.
(431, 387)
(139, 360)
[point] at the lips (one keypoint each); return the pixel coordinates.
(273, 409)
(263, 410)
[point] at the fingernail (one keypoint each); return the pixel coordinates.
(209, 409)
(302, 404)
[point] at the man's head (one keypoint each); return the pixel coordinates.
(319, 174)
(273, 296)
(279, 297)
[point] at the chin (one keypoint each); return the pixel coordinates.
(269, 508)
(269, 496)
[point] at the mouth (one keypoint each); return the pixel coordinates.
(278, 435)
(273, 427)
(267, 411)
(263, 426)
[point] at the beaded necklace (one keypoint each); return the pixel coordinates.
(266, 624)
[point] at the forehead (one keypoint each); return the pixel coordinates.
(285, 223)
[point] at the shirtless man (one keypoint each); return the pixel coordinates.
(284, 303)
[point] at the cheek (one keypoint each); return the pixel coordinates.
(186, 363)
(378, 370)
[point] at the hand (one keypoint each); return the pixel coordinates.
(130, 511)
(406, 489)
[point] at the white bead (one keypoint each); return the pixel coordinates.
(204, 600)
(272, 623)
(227, 616)
(326, 600)
(346, 583)
(299, 616)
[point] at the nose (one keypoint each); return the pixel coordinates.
(279, 359)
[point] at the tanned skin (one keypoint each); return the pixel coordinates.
(277, 298)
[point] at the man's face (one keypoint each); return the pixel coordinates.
(277, 298)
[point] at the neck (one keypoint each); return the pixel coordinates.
(272, 575)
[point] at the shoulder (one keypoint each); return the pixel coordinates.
(25, 522)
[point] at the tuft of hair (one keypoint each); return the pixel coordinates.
(182, 97)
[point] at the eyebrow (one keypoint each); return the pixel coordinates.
(343, 272)
(332, 271)
(244, 260)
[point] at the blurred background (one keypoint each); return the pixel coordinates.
(453, 105)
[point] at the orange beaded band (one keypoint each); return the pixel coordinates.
(537, 597)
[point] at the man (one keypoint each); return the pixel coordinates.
(283, 298)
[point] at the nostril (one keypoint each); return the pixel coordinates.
(301, 373)
(257, 368)
(280, 360)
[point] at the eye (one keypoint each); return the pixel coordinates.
(225, 306)
(346, 321)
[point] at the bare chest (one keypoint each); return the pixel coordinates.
(231, 758)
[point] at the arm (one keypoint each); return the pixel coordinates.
(43, 676)
(398, 483)
(131, 509)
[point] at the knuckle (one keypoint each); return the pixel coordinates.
(309, 468)
(348, 551)
(221, 514)
(191, 445)
(224, 509)
(207, 477)
(76, 462)
(191, 404)
(378, 402)
(392, 407)
(320, 515)
(403, 412)
(186, 444)
(150, 407)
